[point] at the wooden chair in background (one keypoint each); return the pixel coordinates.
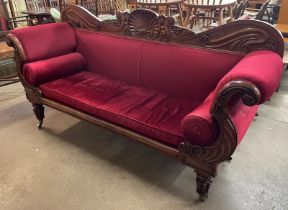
(90, 5)
(257, 14)
(98, 7)
(239, 9)
(208, 13)
(121, 5)
(36, 5)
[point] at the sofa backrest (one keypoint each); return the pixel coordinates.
(46, 41)
(182, 71)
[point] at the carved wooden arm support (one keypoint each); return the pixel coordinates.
(33, 94)
(226, 141)
(254, 79)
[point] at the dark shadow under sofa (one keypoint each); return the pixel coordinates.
(192, 96)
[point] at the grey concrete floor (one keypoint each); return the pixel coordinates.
(71, 164)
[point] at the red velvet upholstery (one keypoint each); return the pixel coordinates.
(158, 90)
(114, 57)
(46, 41)
(242, 116)
(199, 126)
(179, 71)
(183, 71)
(149, 112)
(39, 72)
(262, 68)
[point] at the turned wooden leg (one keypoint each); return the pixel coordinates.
(203, 184)
(38, 110)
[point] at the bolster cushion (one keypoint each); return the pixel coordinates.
(201, 129)
(262, 68)
(39, 72)
(198, 126)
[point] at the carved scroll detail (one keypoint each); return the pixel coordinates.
(176, 33)
(79, 17)
(226, 141)
(33, 94)
(241, 36)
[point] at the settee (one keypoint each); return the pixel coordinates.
(191, 96)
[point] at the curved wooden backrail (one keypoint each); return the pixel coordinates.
(241, 36)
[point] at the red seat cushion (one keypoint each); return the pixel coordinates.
(152, 113)
(39, 72)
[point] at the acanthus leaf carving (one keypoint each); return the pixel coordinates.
(242, 36)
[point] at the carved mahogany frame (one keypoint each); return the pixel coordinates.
(236, 37)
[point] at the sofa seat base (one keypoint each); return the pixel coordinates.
(149, 112)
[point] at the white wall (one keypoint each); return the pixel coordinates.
(19, 6)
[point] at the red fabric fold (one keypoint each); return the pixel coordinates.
(149, 112)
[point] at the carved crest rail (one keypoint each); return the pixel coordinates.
(241, 36)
